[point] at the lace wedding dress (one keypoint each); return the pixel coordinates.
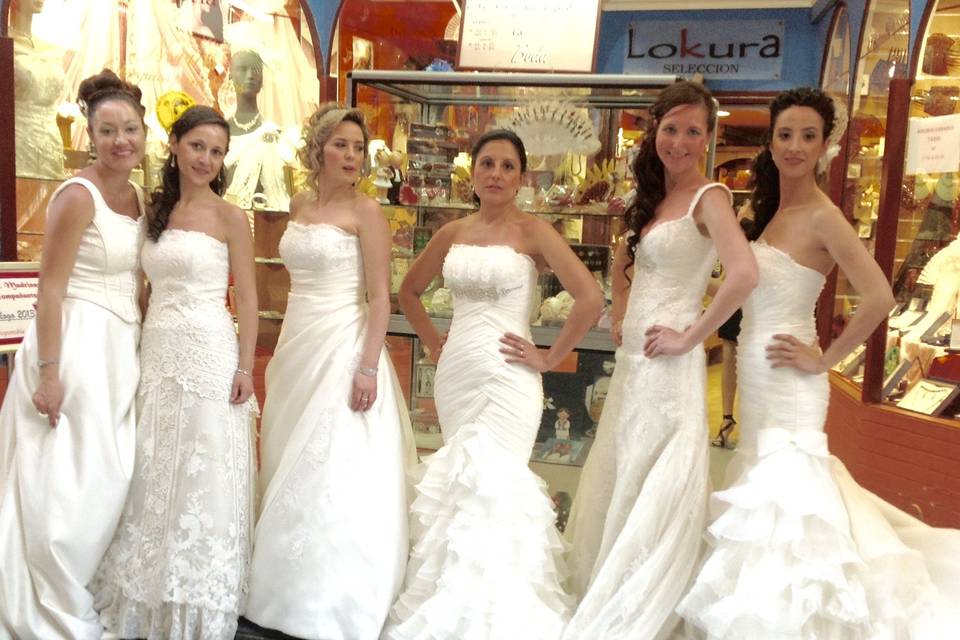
(486, 562)
(638, 516)
(331, 541)
(62, 489)
(800, 551)
(178, 565)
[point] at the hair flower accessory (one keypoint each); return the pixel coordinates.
(833, 140)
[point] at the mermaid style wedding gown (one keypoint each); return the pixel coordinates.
(800, 551)
(332, 539)
(486, 562)
(636, 525)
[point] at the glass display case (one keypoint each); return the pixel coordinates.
(922, 365)
(578, 130)
(883, 55)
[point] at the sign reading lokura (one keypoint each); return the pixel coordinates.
(732, 50)
(18, 294)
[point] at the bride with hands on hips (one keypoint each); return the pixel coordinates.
(799, 550)
(332, 538)
(486, 559)
(67, 423)
(637, 520)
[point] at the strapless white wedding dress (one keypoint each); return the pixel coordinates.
(332, 539)
(486, 560)
(800, 551)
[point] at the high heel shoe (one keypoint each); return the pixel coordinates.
(726, 428)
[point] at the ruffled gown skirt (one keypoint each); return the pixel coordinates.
(800, 551)
(486, 562)
(62, 490)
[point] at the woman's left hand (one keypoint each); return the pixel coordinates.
(242, 388)
(788, 351)
(364, 392)
(664, 341)
(522, 351)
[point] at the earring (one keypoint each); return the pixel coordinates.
(173, 160)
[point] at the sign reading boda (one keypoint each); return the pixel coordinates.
(731, 50)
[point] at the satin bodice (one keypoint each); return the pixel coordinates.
(671, 268)
(106, 266)
(493, 283)
(325, 264)
(779, 400)
(785, 296)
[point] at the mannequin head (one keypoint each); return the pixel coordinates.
(246, 72)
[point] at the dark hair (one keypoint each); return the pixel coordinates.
(104, 86)
(165, 197)
(648, 168)
(765, 199)
(492, 136)
(317, 131)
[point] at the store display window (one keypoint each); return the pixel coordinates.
(922, 368)
(883, 55)
(254, 61)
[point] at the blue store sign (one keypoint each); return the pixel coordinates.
(727, 49)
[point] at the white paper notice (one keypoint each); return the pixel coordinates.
(933, 145)
(529, 35)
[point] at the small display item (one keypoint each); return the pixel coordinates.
(170, 106)
(891, 385)
(929, 396)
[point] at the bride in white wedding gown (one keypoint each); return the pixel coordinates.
(332, 538)
(177, 567)
(636, 525)
(800, 551)
(486, 560)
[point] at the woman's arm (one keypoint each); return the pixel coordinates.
(734, 252)
(836, 235)
(587, 305)
(620, 290)
(427, 266)
(374, 233)
(67, 217)
(240, 245)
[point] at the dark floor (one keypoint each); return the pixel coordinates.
(246, 630)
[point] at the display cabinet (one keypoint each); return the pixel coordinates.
(883, 55)
(578, 130)
(893, 404)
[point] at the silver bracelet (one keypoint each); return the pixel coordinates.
(41, 363)
(367, 371)
(244, 372)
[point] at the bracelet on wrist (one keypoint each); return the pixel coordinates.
(370, 372)
(41, 363)
(244, 372)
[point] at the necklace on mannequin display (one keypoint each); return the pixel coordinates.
(247, 126)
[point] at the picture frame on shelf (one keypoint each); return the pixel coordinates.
(930, 396)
